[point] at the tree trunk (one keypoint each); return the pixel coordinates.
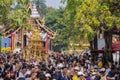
(108, 46)
(95, 43)
(95, 47)
(91, 45)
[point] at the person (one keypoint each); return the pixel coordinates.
(75, 53)
(33, 76)
(28, 34)
(103, 74)
(93, 75)
(75, 75)
(48, 76)
(100, 63)
(81, 76)
(43, 36)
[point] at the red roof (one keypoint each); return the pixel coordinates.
(115, 47)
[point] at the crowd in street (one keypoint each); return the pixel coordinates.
(56, 67)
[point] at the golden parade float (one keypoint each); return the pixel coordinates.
(34, 48)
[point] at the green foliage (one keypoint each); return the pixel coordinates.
(114, 6)
(14, 15)
(4, 10)
(19, 15)
(86, 17)
(55, 20)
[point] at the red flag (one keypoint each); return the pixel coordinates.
(46, 45)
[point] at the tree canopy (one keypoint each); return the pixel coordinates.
(14, 13)
(89, 16)
(54, 19)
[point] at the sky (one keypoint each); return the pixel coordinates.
(53, 3)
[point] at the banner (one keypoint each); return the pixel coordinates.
(5, 44)
(12, 41)
(47, 45)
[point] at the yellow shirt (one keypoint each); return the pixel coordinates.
(100, 64)
(75, 77)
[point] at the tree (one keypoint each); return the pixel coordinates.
(4, 10)
(18, 14)
(55, 20)
(87, 17)
(14, 13)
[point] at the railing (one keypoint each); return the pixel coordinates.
(49, 31)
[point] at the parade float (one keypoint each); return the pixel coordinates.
(34, 48)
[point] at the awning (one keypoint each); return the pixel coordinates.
(115, 47)
(97, 51)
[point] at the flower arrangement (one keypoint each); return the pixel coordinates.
(7, 49)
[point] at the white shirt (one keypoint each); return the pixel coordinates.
(43, 36)
(29, 34)
(21, 75)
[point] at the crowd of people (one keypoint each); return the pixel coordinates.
(56, 67)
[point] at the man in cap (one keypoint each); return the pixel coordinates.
(48, 76)
(93, 75)
(75, 77)
(103, 74)
(81, 76)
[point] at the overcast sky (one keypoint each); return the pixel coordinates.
(53, 3)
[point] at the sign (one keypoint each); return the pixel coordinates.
(5, 44)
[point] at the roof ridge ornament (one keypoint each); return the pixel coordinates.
(34, 12)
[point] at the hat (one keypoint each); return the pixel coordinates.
(94, 73)
(47, 75)
(60, 66)
(77, 68)
(81, 74)
(102, 70)
(87, 61)
(111, 73)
